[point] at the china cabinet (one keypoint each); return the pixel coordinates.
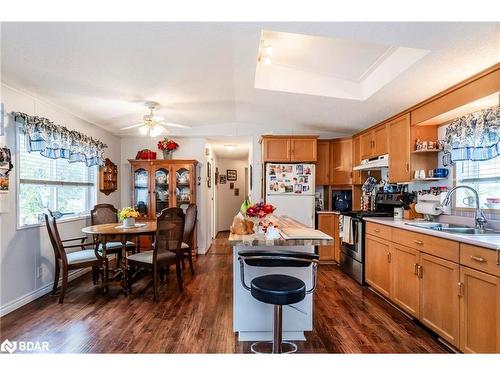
(159, 184)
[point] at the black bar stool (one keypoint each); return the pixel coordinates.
(277, 289)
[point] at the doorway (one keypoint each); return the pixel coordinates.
(230, 157)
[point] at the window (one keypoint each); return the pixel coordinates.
(67, 188)
(484, 176)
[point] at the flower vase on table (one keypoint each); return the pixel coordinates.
(128, 215)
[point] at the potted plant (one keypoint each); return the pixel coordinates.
(127, 215)
(168, 146)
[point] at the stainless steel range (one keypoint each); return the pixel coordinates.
(352, 256)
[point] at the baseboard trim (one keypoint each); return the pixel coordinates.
(29, 297)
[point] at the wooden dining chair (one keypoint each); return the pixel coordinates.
(166, 248)
(188, 238)
(105, 213)
(82, 258)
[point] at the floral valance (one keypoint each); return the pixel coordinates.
(55, 141)
(475, 137)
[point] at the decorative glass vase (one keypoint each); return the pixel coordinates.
(167, 155)
(129, 222)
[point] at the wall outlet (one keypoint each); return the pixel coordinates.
(39, 272)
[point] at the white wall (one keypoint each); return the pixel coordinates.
(189, 148)
(228, 204)
(23, 251)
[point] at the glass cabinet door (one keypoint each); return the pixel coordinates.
(183, 187)
(162, 190)
(141, 192)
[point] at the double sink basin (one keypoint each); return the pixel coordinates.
(456, 229)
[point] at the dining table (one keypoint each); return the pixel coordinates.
(103, 233)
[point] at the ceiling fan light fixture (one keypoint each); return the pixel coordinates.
(155, 131)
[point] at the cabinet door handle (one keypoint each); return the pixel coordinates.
(407, 165)
(498, 255)
(376, 230)
(418, 242)
(478, 259)
(460, 289)
(415, 269)
(389, 257)
(420, 271)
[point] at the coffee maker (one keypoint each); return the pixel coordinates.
(342, 200)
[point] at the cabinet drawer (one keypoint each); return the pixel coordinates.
(480, 258)
(428, 244)
(379, 230)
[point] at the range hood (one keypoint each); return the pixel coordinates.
(373, 164)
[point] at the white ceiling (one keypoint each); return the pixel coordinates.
(240, 152)
(203, 73)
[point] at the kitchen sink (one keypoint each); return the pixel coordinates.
(455, 229)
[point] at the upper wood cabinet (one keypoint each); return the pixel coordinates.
(380, 140)
(276, 149)
(356, 160)
(341, 161)
(289, 148)
(399, 150)
(374, 142)
(303, 149)
(323, 163)
(366, 145)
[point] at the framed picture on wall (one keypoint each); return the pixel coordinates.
(231, 185)
(237, 192)
(2, 125)
(216, 175)
(222, 179)
(232, 174)
(209, 175)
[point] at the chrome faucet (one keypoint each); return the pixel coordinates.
(479, 216)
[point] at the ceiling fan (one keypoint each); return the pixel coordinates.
(152, 124)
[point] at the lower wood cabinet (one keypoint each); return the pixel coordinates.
(439, 301)
(452, 288)
(405, 290)
(479, 312)
(329, 224)
(378, 264)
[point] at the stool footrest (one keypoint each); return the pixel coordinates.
(266, 347)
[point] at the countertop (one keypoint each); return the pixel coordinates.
(259, 239)
(487, 241)
(328, 212)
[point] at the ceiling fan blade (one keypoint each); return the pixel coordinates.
(174, 125)
(133, 126)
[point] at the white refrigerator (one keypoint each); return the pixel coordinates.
(290, 188)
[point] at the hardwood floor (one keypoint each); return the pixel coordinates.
(347, 317)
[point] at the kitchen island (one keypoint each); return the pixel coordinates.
(252, 319)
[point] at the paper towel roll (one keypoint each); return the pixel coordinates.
(429, 208)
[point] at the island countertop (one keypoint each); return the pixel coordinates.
(259, 239)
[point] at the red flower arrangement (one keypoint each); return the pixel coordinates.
(168, 144)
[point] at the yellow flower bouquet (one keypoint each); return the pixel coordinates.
(128, 216)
